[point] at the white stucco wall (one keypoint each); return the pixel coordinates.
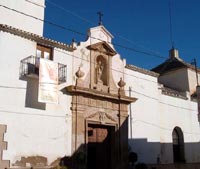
(40, 130)
(193, 80)
(181, 113)
(176, 79)
(12, 18)
(154, 116)
(145, 116)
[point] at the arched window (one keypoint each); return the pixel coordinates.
(178, 145)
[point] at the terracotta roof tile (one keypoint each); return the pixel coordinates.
(141, 70)
(172, 64)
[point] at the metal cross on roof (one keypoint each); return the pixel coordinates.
(100, 17)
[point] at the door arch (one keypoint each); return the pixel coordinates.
(178, 145)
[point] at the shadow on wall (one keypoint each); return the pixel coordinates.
(105, 148)
(32, 95)
(31, 99)
(165, 153)
(91, 156)
(154, 154)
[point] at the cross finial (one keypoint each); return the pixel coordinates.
(100, 17)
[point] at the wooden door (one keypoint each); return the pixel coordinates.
(178, 145)
(99, 147)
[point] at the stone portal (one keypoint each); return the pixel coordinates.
(100, 112)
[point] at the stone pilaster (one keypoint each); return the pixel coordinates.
(123, 131)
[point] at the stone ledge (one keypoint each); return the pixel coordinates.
(95, 93)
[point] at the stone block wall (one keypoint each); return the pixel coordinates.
(3, 146)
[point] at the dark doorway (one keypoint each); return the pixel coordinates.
(100, 138)
(178, 145)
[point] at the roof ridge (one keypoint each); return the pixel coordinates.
(142, 70)
(172, 64)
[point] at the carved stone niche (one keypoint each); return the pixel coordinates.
(101, 67)
(101, 71)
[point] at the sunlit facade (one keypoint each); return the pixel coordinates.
(86, 106)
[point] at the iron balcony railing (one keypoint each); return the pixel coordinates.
(30, 67)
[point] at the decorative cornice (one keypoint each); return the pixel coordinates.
(173, 93)
(94, 93)
(102, 47)
(36, 38)
(141, 70)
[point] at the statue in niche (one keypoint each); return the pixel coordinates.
(99, 71)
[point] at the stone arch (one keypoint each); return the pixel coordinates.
(178, 145)
(101, 70)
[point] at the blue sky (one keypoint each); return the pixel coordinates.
(141, 25)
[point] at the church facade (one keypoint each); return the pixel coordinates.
(93, 109)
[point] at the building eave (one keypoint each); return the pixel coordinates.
(141, 70)
(36, 38)
(171, 65)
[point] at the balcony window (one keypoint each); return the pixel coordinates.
(29, 67)
(44, 52)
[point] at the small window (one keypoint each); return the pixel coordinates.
(44, 52)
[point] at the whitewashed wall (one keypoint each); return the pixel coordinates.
(182, 113)
(193, 80)
(145, 116)
(154, 116)
(176, 80)
(34, 8)
(40, 130)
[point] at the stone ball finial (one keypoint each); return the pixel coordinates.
(79, 73)
(121, 83)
